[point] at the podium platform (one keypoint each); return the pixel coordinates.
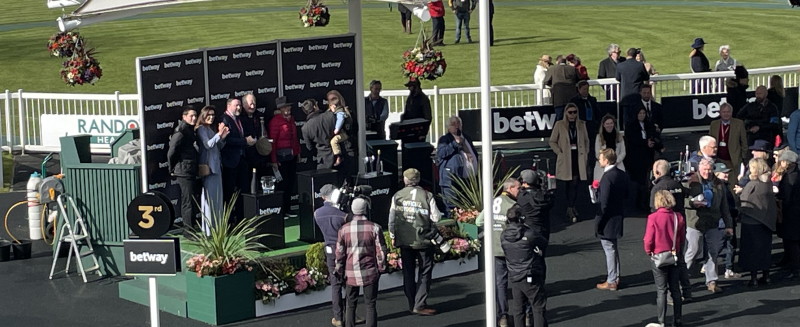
(309, 184)
(270, 208)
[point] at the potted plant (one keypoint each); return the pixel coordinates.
(219, 284)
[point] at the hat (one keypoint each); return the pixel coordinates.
(327, 190)
(698, 43)
(412, 174)
(264, 146)
(359, 206)
(529, 176)
(782, 146)
(413, 82)
(760, 145)
(788, 155)
(721, 168)
(280, 102)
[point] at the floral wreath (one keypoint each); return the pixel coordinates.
(314, 14)
(423, 62)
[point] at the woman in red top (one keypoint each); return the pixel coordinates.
(285, 148)
(660, 236)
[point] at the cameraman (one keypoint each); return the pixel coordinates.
(412, 217)
(526, 268)
(535, 202)
(330, 219)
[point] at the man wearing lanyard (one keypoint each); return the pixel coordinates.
(732, 147)
(235, 176)
(653, 108)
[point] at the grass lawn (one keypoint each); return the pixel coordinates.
(761, 34)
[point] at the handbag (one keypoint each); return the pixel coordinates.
(203, 170)
(667, 258)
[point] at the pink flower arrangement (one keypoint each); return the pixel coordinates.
(465, 216)
(270, 289)
(204, 266)
(395, 263)
(459, 245)
(303, 281)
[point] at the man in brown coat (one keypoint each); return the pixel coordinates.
(562, 79)
(570, 142)
(731, 140)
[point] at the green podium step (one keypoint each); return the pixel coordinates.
(171, 293)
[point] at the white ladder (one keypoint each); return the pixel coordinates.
(77, 236)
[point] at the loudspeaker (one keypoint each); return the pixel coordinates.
(309, 184)
(418, 155)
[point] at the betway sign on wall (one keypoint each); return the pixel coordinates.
(104, 129)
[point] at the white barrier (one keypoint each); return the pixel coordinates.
(20, 127)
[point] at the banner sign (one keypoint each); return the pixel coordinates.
(700, 110)
(154, 257)
(238, 71)
(104, 129)
(167, 85)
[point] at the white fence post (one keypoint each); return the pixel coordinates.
(432, 137)
(22, 120)
(9, 142)
(116, 103)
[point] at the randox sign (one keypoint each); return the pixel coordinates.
(104, 129)
(152, 257)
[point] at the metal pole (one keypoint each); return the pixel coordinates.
(154, 321)
(354, 13)
(486, 161)
(22, 119)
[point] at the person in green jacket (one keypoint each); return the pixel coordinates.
(500, 207)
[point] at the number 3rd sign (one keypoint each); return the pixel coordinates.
(150, 215)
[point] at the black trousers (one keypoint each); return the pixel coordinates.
(336, 287)
(536, 295)
(438, 29)
(235, 179)
(288, 170)
(417, 284)
(370, 299)
(667, 277)
(189, 200)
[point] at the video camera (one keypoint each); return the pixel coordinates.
(342, 197)
(547, 182)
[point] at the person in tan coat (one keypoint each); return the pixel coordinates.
(732, 140)
(570, 142)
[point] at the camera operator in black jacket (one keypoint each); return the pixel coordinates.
(526, 268)
(535, 203)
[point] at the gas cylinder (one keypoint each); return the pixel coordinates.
(34, 208)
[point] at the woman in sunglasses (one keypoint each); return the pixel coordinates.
(570, 142)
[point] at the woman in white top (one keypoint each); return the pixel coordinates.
(539, 75)
(608, 137)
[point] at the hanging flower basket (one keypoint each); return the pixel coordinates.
(314, 14)
(65, 44)
(82, 69)
(423, 63)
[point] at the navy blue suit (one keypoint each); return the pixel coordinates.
(235, 175)
(611, 198)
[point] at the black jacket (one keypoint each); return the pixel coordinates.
(318, 131)
(611, 199)
(235, 143)
(764, 115)
(699, 62)
(519, 244)
(182, 153)
(668, 183)
(790, 205)
(631, 74)
(582, 104)
(737, 94)
(535, 205)
(639, 157)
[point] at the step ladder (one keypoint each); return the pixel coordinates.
(77, 236)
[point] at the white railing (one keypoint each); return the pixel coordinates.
(19, 123)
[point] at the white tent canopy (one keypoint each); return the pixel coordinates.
(95, 11)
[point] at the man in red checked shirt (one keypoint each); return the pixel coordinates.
(359, 262)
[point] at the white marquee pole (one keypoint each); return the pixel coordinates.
(486, 161)
(354, 13)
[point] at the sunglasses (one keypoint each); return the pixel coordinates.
(571, 112)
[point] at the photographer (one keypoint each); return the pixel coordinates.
(412, 218)
(535, 202)
(526, 268)
(330, 219)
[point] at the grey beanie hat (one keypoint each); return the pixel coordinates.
(788, 155)
(359, 206)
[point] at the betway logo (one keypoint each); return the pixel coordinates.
(317, 47)
(157, 185)
(150, 68)
(220, 96)
(163, 164)
(254, 73)
(153, 107)
(174, 104)
(532, 121)
(295, 197)
(318, 84)
(265, 53)
(173, 64)
(700, 110)
(331, 64)
(269, 211)
(306, 67)
(242, 93)
(343, 82)
(231, 75)
(267, 90)
(195, 100)
(184, 82)
(294, 87)
(165, 125)
(193, 61)
(162, 86)
(382, 191)
(152, 147)
(292, 49)
(241, 55)
(342, 45)
(218, 58)
(149, 257)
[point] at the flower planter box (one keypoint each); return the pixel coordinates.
(388, 281)
(220, 300)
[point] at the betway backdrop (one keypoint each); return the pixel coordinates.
(298, 69)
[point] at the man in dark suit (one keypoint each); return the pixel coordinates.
(251, 124)
(608, 222)
(235, 176)
(631, 75)
(654, 111)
